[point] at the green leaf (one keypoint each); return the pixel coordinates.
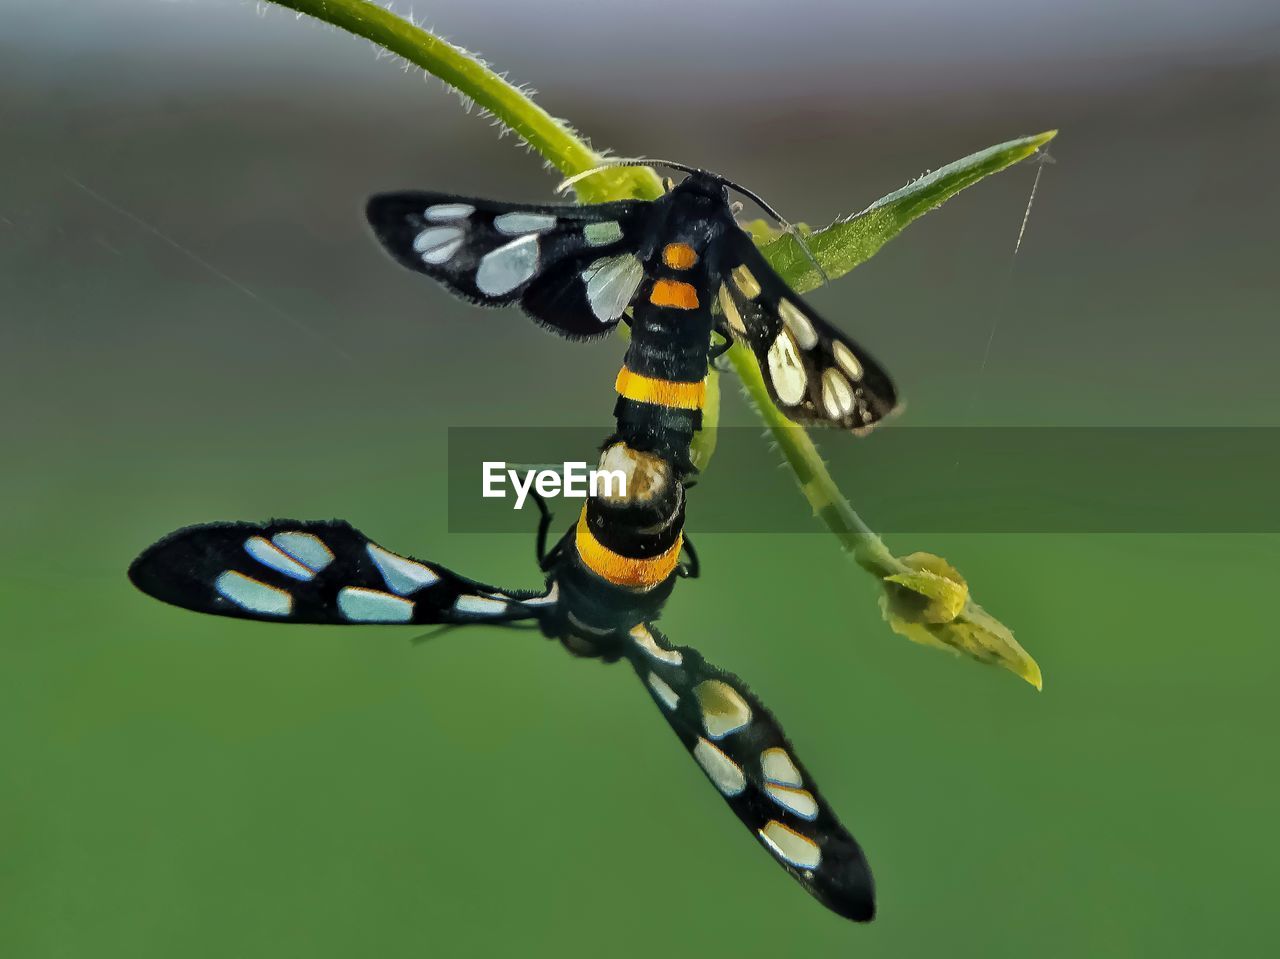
(930, 591)
(974, 633)
(851, 241)
(929, 604)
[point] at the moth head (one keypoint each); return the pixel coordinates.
(706, 185)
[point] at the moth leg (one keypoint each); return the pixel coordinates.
(693, 568)
(424, 638)
(718, 350)
(544, 525)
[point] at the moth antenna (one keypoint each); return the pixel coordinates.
(804, 245)
(623, 161)
(564, 185)
(444, 628)
(754, 197)
(786, 225)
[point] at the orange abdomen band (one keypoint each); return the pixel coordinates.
(624, 570)
(674, 293)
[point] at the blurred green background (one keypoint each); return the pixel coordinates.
(197, 326)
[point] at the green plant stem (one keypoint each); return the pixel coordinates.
(797, 449)
(552, 138)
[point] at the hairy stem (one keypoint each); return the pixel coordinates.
(553, 139)
(815, 482)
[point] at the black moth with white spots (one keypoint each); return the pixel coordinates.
(313, 572)
(329, 572)
(578, 270)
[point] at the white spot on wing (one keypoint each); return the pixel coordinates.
(745, 281)
(586, 628)
(641, 636)
(799, 325)
(268, 554)
(722, 770)
(778, 767)
(552, 597)
(402, 576)
(438, 244)
(516, 224)
(360, 605)
(252, 595)
(507, 267)
(798, 801)
(664, 692)
(723, 710)
(791, 847)
(611, 285)
(479, 605)
(730, 309)
(443, 212)
(837, 394)
(602, 234)
(786, 372)
(848, 362)
(306, 548)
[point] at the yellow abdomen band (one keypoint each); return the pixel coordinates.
(645, 389)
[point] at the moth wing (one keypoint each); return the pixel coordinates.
(314, 572)
(743, 751)
(815, 374)
(566, 265)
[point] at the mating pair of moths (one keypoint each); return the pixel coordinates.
(676, 269)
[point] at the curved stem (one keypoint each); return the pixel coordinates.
(553, 139)
(804, 460)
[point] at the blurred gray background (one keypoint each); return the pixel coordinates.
(232, 146)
